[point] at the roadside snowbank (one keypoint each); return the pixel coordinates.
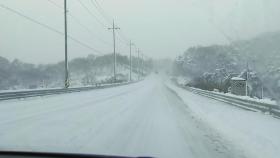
(265, 100)
(257, 134)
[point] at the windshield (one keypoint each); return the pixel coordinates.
(159, 78)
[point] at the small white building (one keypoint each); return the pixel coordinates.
(238, 86)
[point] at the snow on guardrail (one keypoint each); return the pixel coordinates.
(43, 92)
(263, 105)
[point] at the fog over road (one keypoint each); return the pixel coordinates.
(141, 119)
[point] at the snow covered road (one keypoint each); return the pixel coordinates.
(141, 119)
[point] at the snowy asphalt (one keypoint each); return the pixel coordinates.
(141, 119)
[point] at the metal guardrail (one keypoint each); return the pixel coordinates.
(252, 105)
(44, 92)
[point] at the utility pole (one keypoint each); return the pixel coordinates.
(138, 64)
(247, 78)
(143, 64)
(66, 82)
(114, 39)
(130, 61)
(262, 92)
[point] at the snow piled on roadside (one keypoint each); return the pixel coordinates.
(257, 134)
(265, 100)
(182, 80)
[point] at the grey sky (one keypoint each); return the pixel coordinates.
(160, 28)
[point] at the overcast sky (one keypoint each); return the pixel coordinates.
(160, 28)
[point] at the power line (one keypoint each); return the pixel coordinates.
(48, 27)
(123, 36)
(86, 8)
(81, 24)
(89, 30)
(32, 20)
(105, 16)
(54, 3)
(120, 35)
(85, 45)
(101, 11)
(125, 42)
(122, 39)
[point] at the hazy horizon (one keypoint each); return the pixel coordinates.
(159, 28)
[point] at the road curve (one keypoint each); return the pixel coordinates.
(141, 119)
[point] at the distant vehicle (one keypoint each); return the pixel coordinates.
(156, 72)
